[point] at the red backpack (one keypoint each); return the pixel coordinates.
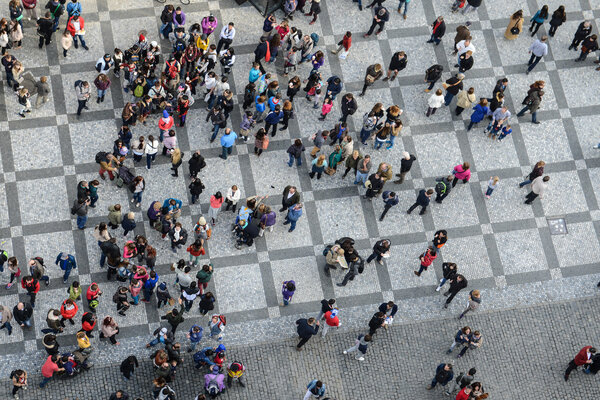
(172, 71)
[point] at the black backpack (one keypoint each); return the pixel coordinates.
(327, 249)
(101, 156)
(179, 45)
(78, 83)
(440, 187)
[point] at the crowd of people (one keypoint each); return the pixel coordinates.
(192, 61)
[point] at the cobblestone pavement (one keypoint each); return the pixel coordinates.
(503, 247)
(523, 357)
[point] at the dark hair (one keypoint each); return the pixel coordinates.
(290, 286)
(472, 371)
(544, 12)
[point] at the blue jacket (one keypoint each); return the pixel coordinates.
(178, 204)
(461, 338)
(260, 107)
(69, 263)
(422, 198)
(383, 308)
(294, 215)
(332, 87)
(228, 140)
(274, 117)
(479, 113)
(391, 201)
(195, 337)
(253, 75)
(304, 329)
(73, 9)
(311, 386)
(151, 283)
(537, 18)
(201, 356)
(128, 224)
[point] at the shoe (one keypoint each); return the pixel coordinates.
(446, 305)
(429, 387)
(365, 35)
(536, 122)
(290, 230)
(487, 196)
(404, 16)
(459, 356)
(566, 377)
(98, 100)
(174, 251)
(133, 200)
(86, 108)
(344, 352)
(85, 47)
(417, 273)
(361, 359)
(72, 322)
(427, 90)
(385, 79)
(437, 289)
(461, 316)
(47, 282)
(281, 209)
(339, 284)
(449, 351)
(22, 115)
(446, 294)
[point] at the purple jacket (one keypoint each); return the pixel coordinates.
(269, 219)
(207, 26)
(152, 213)
(219, 378)
(181, 17)
(317, 64)
(287, 295)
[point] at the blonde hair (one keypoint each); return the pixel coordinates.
(495, 180)
(320, 160)
(176, 156)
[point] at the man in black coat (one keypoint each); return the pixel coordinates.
(260, 52)
(397, 64)
(178, 237)
(290, 197)
(349, 106)
(471, 5)
(306, 329)
(380, 18)
(584, 29)
(457, 284)
(423, 200)
(432, 75)
(196, 163)
(109, 249)
(376, 322)
(405, 166)
(45, 29)
(438, 30)
(22, 313)
(453, 86)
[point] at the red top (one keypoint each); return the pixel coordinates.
(68, 314)
(71, 27)
(92, 294)
(335, 321)
(347, 42)
(462, 395)
(428, 259)
(49, 367)
(165, 125)
(33, 286)
(581, 358)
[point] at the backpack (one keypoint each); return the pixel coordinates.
(13, 374)
(172, 70)
(327, 249)
(101, 156)
(116, 297)
(179, 45)
(138, 91)
(212, 388)
(315, 38)
(78, 83)
(40, 260)
(440, 188)
(222, 319)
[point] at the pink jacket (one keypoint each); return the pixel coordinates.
(326, 108)
(461, 173)
(215, 203)
(135, 289)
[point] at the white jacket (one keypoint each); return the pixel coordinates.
(152, 147)
(538, 186)
(234, 197)
(435, 101)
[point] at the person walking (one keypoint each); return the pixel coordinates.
(306, 328)
(426, 260)
(457, 284)
(582, 358)
(315, 389)
(293, 215)
(434, 102)
(49, 368)
(462, 172)
(438, 30)
(460, 339)
(448, 273)
(590, 44)
(83, 93)
(390, 199)
(381, 249)
(423, 200)
(538, 49)
(491, 185)
(538, 187)
(348, 106)
(443, 375)
(405, 166)
(538, 170)
(443, 188)
(19, 381)
(295, 153)
(376, 322)
(318, 165)
(515, 26)
(432, 75)
(583, 30)
(360, 346)
(559, 17)
(331, 321)
(22, 314)
(374, 72)
(472, 303)
(227, 142)
(538, 20)
(479, 113)
(80, 208)
(380, 17)
(43, 91)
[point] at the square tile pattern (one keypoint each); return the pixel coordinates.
(45, 155)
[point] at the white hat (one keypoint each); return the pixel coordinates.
(153, 43)
(163, 331)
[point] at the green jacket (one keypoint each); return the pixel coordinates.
(335, 158)
(174, 319)
(203, 276)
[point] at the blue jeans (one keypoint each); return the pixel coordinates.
(147, 293)
(80, 39)
(101, 93)
(286, 302)
(195, 198)
(154, 342)
(525, 182)
(435, 39)
(291, 161)
(533, 114)
(448, 98)
(364, 135)
(215, 132)
(489, 191)
(136, 299)
(533, 61)
(93, 200)
(8, 326)
(405, 6)
(391, 142)
(165, 29)
(226, 151)
(138, 197)
(361, 178)
(162, 135)
(292, 223)
(149, 159)
(211, 100)
(55, 26)
(81, 220)
(44, 382)
(193, 345)
(378, 144)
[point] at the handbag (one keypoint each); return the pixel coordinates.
(370, 79)
(515, 29)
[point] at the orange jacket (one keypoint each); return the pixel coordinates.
(71, 27)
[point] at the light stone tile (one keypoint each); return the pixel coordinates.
(9, 177)
(397, 221)
(279, 174)
(304, 272)
(458, 209)
(578, 247)
(440, 160)
(38, 149)
(353, 70)
(341, 217)
(49, 246)
(579, 95)
(587, 137)
(546, 141)
(404, 259)
(521, 251)
(50, 197)
(564, 194)
(234, 296)
(501, 204)
(365, 283)
(470, 254)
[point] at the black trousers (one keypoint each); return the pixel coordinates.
(81, 105)
(302, 342)
(572, 366)
(451, 297)
(530, 197)
(348, 277)
(374, 24)
(44, 39)
(386, 208)
(423, 208)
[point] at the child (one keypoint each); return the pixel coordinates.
(66, 41)
(457, 4)
(263, 82)
(288, 289)
(326, 109)
(492, 183)
(254, 73)
(23, 98)
(196, 250)
(504, 133)
(317, 98)
(435, 101)
(260, 108)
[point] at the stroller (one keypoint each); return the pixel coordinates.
(124, 176)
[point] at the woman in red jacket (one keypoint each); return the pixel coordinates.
(426, 260)
(92, 295)
(344, 44)
(584, 357)
(88, 323)
(68, 310)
